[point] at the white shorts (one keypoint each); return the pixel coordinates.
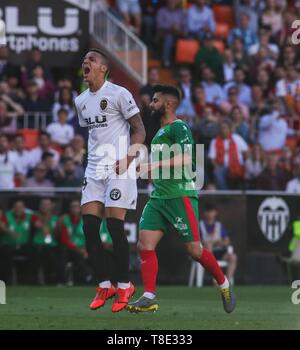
(120, 193)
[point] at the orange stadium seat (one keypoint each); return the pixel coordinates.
(186, 50)
(219, 45)
(222, 30)
(30, 137)
(224, 14)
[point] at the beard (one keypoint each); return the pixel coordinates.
(159, 113)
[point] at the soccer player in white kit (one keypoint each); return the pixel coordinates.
(109, 112)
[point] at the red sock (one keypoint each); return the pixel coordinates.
(209, 262)
(149, 268)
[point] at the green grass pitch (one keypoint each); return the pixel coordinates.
(180, 308)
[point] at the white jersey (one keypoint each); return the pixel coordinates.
(105, 112)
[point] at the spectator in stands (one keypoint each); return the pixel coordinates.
(46, 87)
(170, 24)
(289, 57)
(15, 238)
(9, 166)
(65, 101)
(149, 9)
(8, 124)
(146, 92)
(228, 65)
(6, 67)
(47, 255)
(22, 156)
(293, 186)
(71, 237)
(244, 91)
(36, 59)
(130, 9)
(64, 83)
(272, 17)
(215, 238)
(186, 110)
(241, 59)
(78, 147)
(244, 32)
(67, 175)
(208, 127)
(52, 168)
(286, 160)
(250, 8)
(13, 88)
(264, 42)
(272, 178)
(226, 106)
(227, 153)
(200, 103)
(39, 178)
(288, 91)
(14, 108)
(254, 165)
(33, 102)
(61, 132)
(209, 56)
(200, 20)
(68, 152)
(273, 130)
(262, 79)
(44, 146)
(287, 28)
(213, 91)
(239, 126)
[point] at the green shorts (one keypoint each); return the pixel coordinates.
(182, 213)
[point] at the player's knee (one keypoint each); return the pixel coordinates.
(195, 251)
(232, 258)
(144, 245)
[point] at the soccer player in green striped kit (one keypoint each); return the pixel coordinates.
(174, 201)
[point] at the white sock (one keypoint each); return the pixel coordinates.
(149, 295)
(123, 285)
(105, 284)
(225, 284)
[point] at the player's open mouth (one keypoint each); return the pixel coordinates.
(86, 70)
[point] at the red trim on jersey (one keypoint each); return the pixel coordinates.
(65, 239)
(191, 217)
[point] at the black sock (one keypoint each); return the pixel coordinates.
(111, 266)
(94, 246)
(121, 248)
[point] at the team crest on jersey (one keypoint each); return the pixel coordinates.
(103, 104)
(115, 194)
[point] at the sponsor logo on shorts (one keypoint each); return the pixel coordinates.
(115, 194)
(179, 224)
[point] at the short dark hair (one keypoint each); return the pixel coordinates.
(62, 110)
(104, 57)
(167, 90)
(44, 133)
(209, 207)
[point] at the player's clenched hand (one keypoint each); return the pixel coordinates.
(122, 165)
(146, 168)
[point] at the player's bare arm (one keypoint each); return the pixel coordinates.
(136, 140)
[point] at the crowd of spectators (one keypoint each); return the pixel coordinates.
(242, 100)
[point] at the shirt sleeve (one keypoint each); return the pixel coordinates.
(182, 136)
(127, 104)
(81, 120)
(224, 232)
